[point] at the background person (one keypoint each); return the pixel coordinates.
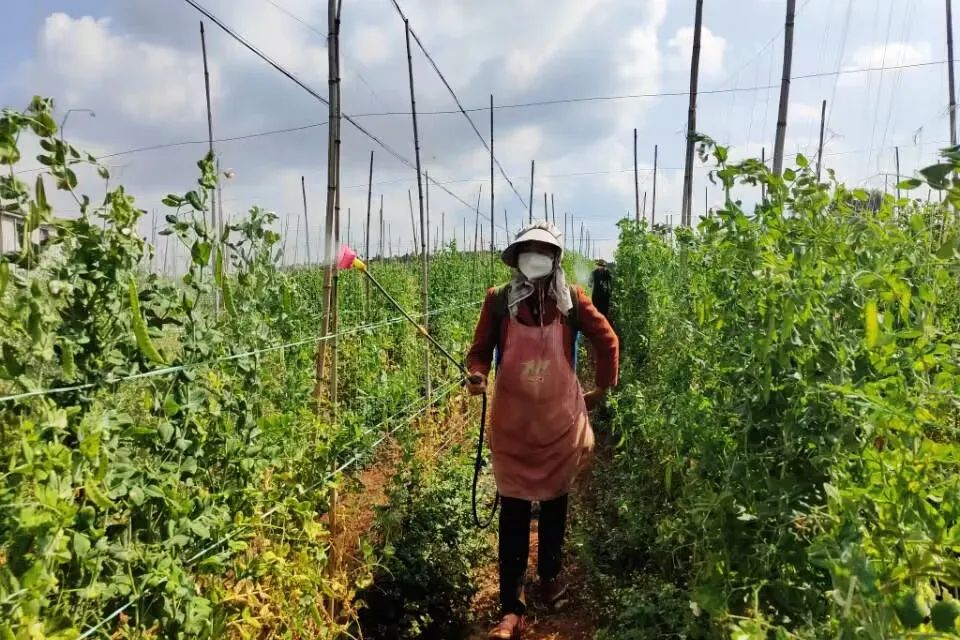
(540, 434)
(601, 282)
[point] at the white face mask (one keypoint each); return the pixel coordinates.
(534, 265)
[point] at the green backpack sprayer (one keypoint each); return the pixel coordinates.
(347, 259)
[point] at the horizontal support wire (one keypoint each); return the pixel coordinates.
(445, 391)
(236, 356)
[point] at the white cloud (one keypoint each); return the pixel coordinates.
(712, 51)
(82, 58)
(892, 54)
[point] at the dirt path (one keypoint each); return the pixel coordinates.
(574, 622)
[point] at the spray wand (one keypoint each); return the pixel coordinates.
(347, 259)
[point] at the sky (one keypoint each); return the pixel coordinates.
(137, 65)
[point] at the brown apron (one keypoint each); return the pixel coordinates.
(539, 427)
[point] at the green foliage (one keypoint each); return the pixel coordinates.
(430, 550)
(189, 494)
(791, 402)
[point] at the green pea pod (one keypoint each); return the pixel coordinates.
(146, 345)
(67, 361)
(223, 283)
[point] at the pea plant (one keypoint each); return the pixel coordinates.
(788, 425)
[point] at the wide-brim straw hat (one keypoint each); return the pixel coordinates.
(541, 231)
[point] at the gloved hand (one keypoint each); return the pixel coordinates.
(476, 383)
(594, 399)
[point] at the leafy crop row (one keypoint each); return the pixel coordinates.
(789, 424)
(178, 474)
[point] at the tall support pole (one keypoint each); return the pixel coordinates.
(692, 117)
(306, 220)
(333, 158)
(426, 197)
(476, 224)
(566, 238)
(413, 224)
(553, 210)
(950, 76)
(443, 228)
(546, 211)
(506, 227)
(380, 232)
(653, 200)
(823, 122)
(423, 220)
(530, 212)
(784, 88)
(643, 210)
(896, 151)
(636, 177)
(493, 233)
(763, 161)
(213, 195)
(366, 234)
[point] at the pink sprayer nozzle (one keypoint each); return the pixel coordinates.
(347, 259)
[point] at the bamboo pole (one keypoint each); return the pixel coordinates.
(413, 223)
(896, 151)
(643, 211)
(476, 224)
(553, 210)
(366, 236)
(306, 220)
(823, 120)
(784, 88)
(423, 221)
(492, 195)
(335, 309)
(950, 76)
(546, 211)
(687, 211)
(763, 161)
(213, 195)
(296, 245)
(530, 213)
(333, 158)
(426, 194)
(636, 177)
(506, 228)
(380, 232)
(653, 201)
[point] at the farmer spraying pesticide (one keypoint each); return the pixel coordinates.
(540, 434)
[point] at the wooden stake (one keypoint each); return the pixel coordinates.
(763, 161)
(530, 214)
(950, 76)
(896, 151)
(823, 120)
(784, 88)
(687, 210)
(333, 159)
(413, 223)
(423, 221)
(213, 195)
(653, 200)
(366, 233)
(380, 232)
(636, 176)
(492, 194)
(306, 220)
(476, 224)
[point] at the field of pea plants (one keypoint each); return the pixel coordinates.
(788, 452)
(782, 457)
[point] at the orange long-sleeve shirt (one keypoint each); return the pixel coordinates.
(489, 334)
